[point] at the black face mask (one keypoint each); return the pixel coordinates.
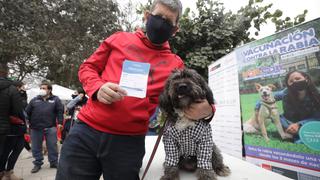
(23, 92)
(73, 96)
(299, 85)
(159, 30)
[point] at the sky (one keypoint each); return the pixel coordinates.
(290, 8)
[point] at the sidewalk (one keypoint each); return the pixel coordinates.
(24, 166)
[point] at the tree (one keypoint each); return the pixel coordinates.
(211, 32)
(59, 33)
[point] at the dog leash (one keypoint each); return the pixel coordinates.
(154, 149)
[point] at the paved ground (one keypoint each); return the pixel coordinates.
(24, 166)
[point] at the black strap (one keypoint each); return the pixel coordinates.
(154, 150)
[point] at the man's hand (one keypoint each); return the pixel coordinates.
(293, 128)
(81, 96)
(199, 110)
(60, 127)
(110, 92)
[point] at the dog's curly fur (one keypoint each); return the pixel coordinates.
(183, 88)
(170, 173)
(193, 88)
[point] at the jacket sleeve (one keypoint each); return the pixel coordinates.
(17, 107)
(91, 70)
(59, 110)
(73, 103)
(278, 96)
(28, 109)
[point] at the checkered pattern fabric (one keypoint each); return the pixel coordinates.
(192, 141)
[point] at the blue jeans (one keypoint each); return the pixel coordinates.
(87, 153)
(50, 135)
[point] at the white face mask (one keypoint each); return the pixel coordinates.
(42, 92)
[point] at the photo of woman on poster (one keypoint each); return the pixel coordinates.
(300, 103)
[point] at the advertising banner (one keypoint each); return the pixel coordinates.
(279, 83)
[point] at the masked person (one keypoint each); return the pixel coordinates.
(109, 135)
(300, 103)
(79, 99)
(23, 94)
(43, 112)
(14, 141)
(10, 105)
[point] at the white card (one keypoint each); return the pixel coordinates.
(134, 78)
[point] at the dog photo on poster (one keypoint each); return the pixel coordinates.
(279, 83)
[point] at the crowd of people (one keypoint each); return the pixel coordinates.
(39, 120)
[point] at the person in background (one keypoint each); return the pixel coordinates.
(109, 135)
(43, 112)
(79, 99)
(23, 93)
(10, 111)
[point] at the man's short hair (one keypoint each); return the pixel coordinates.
(18, 84)
(46, 83)
(3, 69)
(174, 5)
(80, 90)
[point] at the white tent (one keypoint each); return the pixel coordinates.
(62, 92)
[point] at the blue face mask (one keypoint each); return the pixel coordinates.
(159, 30)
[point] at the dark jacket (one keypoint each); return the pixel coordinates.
(44, 113)
(10, 104)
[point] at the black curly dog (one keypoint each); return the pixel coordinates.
(183, 88)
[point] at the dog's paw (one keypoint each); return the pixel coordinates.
(224, 171)
(205, 174)
(248, 128)
(170, 173)
(266, 139)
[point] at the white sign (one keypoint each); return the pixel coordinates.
(226, 124)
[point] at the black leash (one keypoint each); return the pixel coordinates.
(154, 150)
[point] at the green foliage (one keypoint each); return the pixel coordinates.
(276, 142)
(56, 35)
(211, 32)
(282, 24)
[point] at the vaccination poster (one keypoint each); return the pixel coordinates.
(279, 85)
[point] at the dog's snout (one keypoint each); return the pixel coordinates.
(182, 88)
(265, 93)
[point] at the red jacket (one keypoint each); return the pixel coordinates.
(129, 116)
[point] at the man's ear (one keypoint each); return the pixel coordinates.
(175, 30)
(145, 16)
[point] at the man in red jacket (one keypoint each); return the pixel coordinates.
(109, 135)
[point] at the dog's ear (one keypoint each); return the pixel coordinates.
(258, 86)
(165, 101)
(204, 86)
(273, 87)
(166, 106)
(209, 95)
